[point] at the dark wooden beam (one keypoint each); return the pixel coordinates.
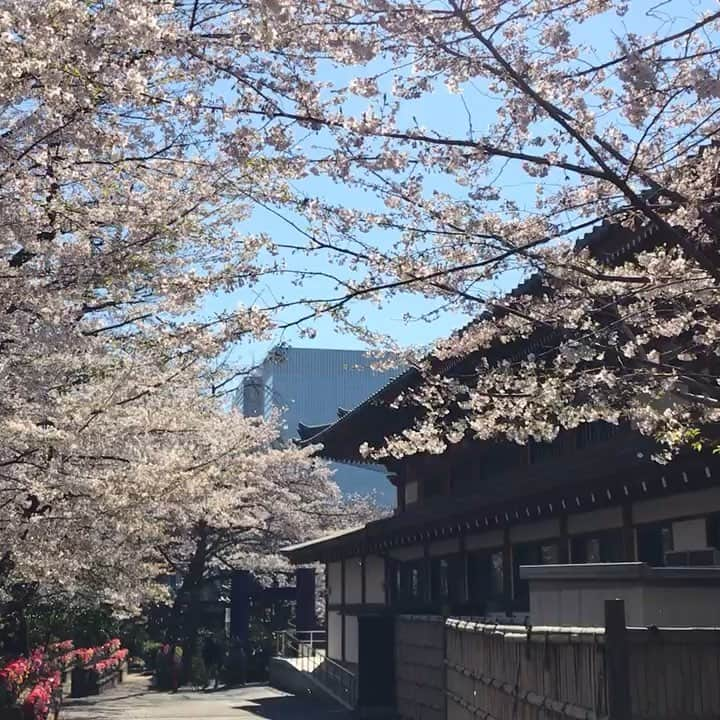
(363, 579)
(342, 606)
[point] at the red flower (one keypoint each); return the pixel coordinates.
(40, 699)
(14, 675)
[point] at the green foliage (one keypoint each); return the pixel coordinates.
(59, 619)
(149, 651)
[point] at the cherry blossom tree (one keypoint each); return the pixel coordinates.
(566, 116)
(129, 163)
(475, 141)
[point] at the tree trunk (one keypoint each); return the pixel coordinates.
(188, 603)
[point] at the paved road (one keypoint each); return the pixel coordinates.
(134, 701)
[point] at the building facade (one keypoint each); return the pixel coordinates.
(475, 527)
(310, 387)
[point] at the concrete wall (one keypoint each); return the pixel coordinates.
(285, 676)
(574, 595)
(572, 605)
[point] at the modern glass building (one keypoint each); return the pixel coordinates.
(309, 386)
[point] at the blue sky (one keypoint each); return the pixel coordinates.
(445, 112)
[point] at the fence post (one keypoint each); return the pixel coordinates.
(444, 668)
(617, 662)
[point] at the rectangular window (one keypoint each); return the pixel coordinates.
(410, 583)
(440, 588)
(653, 541)
(497, 575)
(486, 580)
(415, 583)
(601, 547)
(541, 553)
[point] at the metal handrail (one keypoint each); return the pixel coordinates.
(329, 673)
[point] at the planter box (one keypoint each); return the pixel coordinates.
(85, 682)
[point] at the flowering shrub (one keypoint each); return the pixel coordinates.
(59, 648)
(41, 668)
(105, 667)
(111, 646)
(63, 662)
(13, 676)
(40, 699)
(84, 655)
(37, 662)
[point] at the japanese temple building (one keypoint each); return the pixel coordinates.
(467, 520)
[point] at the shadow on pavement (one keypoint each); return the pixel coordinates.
(293, 708)
(93, 699)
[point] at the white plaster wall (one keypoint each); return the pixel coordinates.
(543, 530)
(444, 547)
(409, 552)
(353, 580)
(374, 579)
(689, 534)
(351, 639)
(334, 580)
(334, 624)
(700, 502)
(490, 539)
(411, 492)
(603, 519)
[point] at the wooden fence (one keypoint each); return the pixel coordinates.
(516, 673)
(420, 667)
(674, 673)
(464, 670)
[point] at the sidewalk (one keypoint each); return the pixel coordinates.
(133, 700)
